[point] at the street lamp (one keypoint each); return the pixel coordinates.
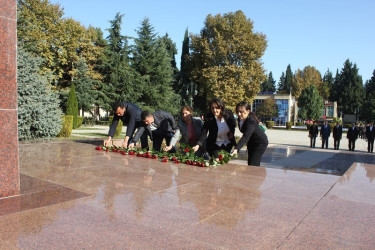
(193, 92)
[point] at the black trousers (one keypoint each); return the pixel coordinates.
(157, 138)
(351, 144)
(254, 154)
(370, 147)
(337, 143)
(215, 149)
(144, 141)
(324, 142)
(312, 141)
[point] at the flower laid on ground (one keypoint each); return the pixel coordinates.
(185, 154)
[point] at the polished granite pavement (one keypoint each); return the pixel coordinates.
(74, 197)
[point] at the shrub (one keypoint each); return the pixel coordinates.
(79, 121)
(289, 125)
(39, 114)
(118, 128)
(88, 121)
(270, 124)
(67, 126)
(299, 123)
(308, 125)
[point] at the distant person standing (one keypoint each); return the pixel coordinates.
(313, 133)
(352, 136)
(325, 133)
(337, 135)
(370, 136)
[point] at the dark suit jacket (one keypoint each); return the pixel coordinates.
(210, 127)
(337, 132)
(253, 135)
(325, 132)
(131, 118)
(370, 135)
(313, 131)
(352, 133)
(165, 122)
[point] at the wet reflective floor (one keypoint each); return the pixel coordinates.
(74, 197)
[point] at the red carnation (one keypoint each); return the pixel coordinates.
(113, 150)
(154, 157)
(177, 162)
(221, 157)
(203, 165)
(165, 160)
(174, 159)
(188, 162)
(187, 150)
(193, 163)
(98, 148)
(107, 149)
(118, 150)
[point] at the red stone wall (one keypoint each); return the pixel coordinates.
(9, 168)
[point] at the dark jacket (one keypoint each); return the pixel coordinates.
(325, 131)
(370, 135)
(352, 133)
(165, 122)
(337, 132)
(131, 118)
(313, 131)
(197, 124)
(210, 127)
(252, 134)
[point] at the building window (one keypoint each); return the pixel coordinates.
(330, 111)
(283, 106)
(256, 103)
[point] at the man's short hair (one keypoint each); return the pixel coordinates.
(145, 114)
(116, 105)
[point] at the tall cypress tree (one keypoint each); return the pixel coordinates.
(184, 78)
(281, 86)
(39, 114)
(72, 105)
(153, 64)
(288, 78)
(351, 94)
(329, 82)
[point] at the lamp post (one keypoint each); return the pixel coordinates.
(193, 92)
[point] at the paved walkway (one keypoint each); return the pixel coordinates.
(74, 197)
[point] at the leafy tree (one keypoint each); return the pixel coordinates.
(369, 103)
(352, 92)
(72, 105)
(84, 87)
(60, 42)
(310, 103)
(153, 63)
(286, 82)
(269, 84)
(225, 59)
(39, 115)
(268, 109)
(309, 75)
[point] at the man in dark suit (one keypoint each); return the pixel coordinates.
(158, 125)
(352, 136)
(325, 133)
(313, 133)
(370, 135)
(130, 114)
(337, 135)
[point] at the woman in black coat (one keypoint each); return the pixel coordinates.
(253, 135)
(220, 126)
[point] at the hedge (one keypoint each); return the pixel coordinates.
(289, 125)
(299, 123)
(79, 121)
(67, 126)
(119, 126)
(270, 124)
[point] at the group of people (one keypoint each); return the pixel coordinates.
(352, 135)
(211, 134)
